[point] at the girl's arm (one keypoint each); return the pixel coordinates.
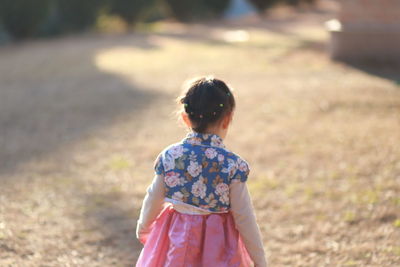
(151, 208)
(245, 220)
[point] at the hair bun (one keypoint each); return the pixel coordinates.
(206, 101)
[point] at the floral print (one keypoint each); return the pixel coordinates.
(231, 168)
(173, 179)
(169, 163)
(242, 165)
(216, 141)
(177, 196)
(199, 188)
(211, 153)
(199, 170)
(194, 169)
(221, 188)
(176, 151)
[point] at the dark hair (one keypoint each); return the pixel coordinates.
(207, 100)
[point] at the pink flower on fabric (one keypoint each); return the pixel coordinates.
(206, 136)
(216, 141)
(194, 169)
(173, 179)
(242, 165)
(221, 157)
(194, 141)
(169, 163)
(221, 189)
(211, 153)
(199, 188)
(177, 196)
(224, 198)
(232, 167)
(176, 151)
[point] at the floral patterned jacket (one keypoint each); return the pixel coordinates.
(198, 171)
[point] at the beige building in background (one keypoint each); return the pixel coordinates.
(366, 30)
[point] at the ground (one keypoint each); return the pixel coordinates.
(83, 117)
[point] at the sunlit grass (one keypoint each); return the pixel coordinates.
(120, 163)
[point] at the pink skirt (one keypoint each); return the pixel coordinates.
(183, 240)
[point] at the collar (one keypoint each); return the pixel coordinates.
(195, 138)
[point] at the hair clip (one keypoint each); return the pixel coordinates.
(201, 116)
(221, 105)
(214, 113)
(228, 94)
(186, 104)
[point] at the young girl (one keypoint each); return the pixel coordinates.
(197, 211)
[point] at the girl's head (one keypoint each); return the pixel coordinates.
(208, 106)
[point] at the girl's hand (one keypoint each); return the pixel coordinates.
(142, 234)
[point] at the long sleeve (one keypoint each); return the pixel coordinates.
(245, 220)
(151, 207)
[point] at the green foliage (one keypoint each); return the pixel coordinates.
(185, 10)
(26, 18)
(298, 2)
(264, 4)
(131, 10)
(73, 15)
(217, 7)
(22, 18)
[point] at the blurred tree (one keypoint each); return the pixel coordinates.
(25, 18)
(131, 10)
(74, 15)
(298, 2)
(264, 4)
(217, 7)
(185, 10)
(22, 18)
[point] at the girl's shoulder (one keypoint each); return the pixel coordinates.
(174, 150)
(240, 168)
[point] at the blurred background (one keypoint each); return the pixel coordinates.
(87, 101)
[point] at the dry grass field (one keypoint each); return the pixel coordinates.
(83, 117)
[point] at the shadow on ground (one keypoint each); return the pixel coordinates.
(52, 95)
(386, 70)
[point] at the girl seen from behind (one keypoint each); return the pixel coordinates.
(198, 211)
